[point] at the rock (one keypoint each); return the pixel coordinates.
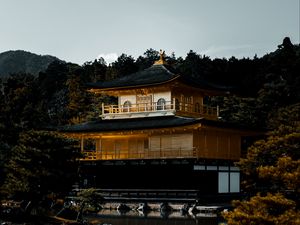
(164, 207)
(143, 207)
(123, 207)
(184, 209)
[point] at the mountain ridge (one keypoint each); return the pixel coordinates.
(21, 61)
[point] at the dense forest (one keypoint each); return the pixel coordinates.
(20, 61)
(264, 93)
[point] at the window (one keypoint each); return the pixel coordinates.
(161, 104)
(234, 182)
(229, 182)
(197, 107)
(143, 98)
(89, 144)
(223, 182)
(144, 102)
(126, 106)
(206, 100)
(146, 144)
(177, 104)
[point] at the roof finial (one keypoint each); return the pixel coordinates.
(161, 60)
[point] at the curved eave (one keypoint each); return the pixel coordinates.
(130, 124)
(154, 123)
(204, 86)
(116, 88)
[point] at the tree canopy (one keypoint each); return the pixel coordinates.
(42, 164)
(272, 175)
(265, 94)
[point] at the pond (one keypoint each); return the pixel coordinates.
(153, 218)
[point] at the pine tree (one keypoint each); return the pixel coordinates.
(43, 164)
(272, 176)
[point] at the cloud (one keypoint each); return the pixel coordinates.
(227, 51)
(109, 57)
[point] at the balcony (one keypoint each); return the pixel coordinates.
(166, 153)
(149, 154)
(167, 109)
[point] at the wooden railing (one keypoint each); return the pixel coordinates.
(137, 108)
(147, 154)
(160, 154)
(184, 109)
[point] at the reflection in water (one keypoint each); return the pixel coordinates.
(114, 217)
(157, 221)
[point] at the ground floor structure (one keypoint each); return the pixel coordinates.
(193, 176)
(160, 153)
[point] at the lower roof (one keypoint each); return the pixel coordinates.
(144, 123)
(130, 124)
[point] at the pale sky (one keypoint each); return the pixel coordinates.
(81, 30)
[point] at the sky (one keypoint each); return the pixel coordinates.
(82, 30)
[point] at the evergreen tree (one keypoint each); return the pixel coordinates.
(195, 65)
(78, 99)
(148, 58)
(95, 71)
(272, 176)
(261, 210)
(242, 111)
(123, 66)
(43, 164)
(4, 148)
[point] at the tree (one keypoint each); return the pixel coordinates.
(78, 98)
(266, 154)
(88, 197)
(53, 79)
(286, 44)
(282, 143)
(148, 58)
(242, 111)
(269, 209)
(95, 71)
(21, 106)
(43, 164)
(272, 176)
(124, 65)
(193, 66)
(4, 147)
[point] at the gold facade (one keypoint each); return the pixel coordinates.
(167, 143)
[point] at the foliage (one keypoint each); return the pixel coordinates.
(148, 58)
(285, 174)
(12, 62)
(85, 200)
(272, 167)
(78, 98)
(42, 164)
(95, 71)
(90, 196)
(267, 95)
(242, 110)
(286, 120)
(270, 209)
(267, 153)
(195, 65)
(124, 65)
(23, 102)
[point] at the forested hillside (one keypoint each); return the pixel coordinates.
(19, 61)
(264, 93)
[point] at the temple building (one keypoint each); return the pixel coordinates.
(159, 135)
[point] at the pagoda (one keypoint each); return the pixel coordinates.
(159, 135)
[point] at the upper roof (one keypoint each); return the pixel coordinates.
(155, 75)
(159, 73)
